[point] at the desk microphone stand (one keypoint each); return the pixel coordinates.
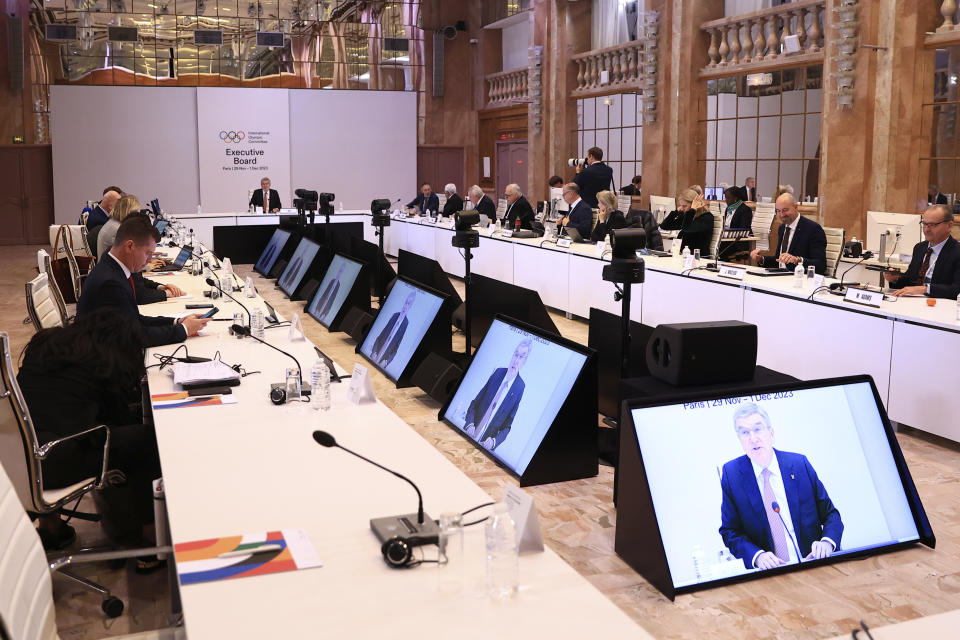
(466, 237)
(380, 220)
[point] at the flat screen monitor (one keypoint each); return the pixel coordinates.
(370, 253)
(155, 206)
(406, 315)
(513, 390)
(774, 477)
(428, 272)
(271, 252)
(491, 297)
(902, 231)
(161, 226)
(334, 289)
(298, 266)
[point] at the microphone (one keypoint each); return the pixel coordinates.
(776, 508)
(837, 287)
(214, 283)
(386, 528)
(245, 331)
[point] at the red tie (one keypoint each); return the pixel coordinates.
(132, 288)
(924, 267)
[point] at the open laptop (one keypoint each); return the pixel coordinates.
(771, 271)
(180, 260)
(161, 226)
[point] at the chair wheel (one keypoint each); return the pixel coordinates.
(116, 564)
(112, 606)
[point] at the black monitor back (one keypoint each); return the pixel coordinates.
(604, 336)
(489, 296)
(428, 272)
(368, 252)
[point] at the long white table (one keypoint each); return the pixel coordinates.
(253, 466)
(204, 223)
(904, 344)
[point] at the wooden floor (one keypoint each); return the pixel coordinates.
(578, 520)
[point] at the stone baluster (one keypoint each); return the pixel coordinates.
(801, 14)
(813, 33)
(580, 67)
(787, 19)
(746, 42)
(760, 42)
(948, 8)
(724, 49)
(735, 43)
(773, 38)
(632, 67)
(713, 51)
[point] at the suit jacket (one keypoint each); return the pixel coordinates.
(940, 198)
(503, 416)
(616, 220)
(520, 210)
(257, 199)
(388, 354)
(695, 233)
(97, 217)
(148, 291)
(742, 217)
(808, 242)
(643, 219)
(945, 281)
(743, 518)
(486, 207)
(630, 190)
(581, 219)
(287, 281)
(592, 180)
(749, 194)
(432, 203)
(107, 287)
(454, 204)
(326, 298)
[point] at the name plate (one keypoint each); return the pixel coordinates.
(601, 247)
(688, 262)
(734, 273)
(817, 281)
(506, 233)
(862, 296)
(361, 386)
(564, 242)
(449, 223)
(432, 220)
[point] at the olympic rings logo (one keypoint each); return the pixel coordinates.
(232, 136)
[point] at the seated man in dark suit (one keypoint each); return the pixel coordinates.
(425, 201)
(150, 291)
(518, 209)
(101, 213)
(580, 215)
(482, 203)
(454, 202)
(593, 178)
(266, 195)
(632, 189)
(935, 197)
(110, 284)
(772, 499)
(800, 240)
(388, 342)
(934, 270)
(490, 415)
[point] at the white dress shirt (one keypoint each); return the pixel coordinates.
(126, 272)
(793, 234)
(504, 388)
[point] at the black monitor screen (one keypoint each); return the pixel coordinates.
(272, 251)
(155, 206)
(746, 483)
(400, 325)
(513, 390)
(297, 267)
(334, 289)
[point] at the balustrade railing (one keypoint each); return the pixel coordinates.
(508, 87)
(611, 69)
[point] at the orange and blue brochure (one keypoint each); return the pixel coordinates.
(179, 399)
(252, 554)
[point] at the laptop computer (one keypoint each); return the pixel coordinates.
(181, 259)
(161, 226)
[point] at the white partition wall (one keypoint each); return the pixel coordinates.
(142, 139)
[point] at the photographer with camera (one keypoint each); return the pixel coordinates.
(592, 178)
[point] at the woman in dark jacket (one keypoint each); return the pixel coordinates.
(693, 220)
(610, 217)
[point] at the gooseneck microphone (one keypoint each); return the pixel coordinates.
(837, 287)
(245, 331)
(213, 283)
(387, 528)
(776, 507)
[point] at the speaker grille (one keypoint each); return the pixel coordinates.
(438, 65)
(15, 51)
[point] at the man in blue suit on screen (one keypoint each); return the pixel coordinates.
(490, 415)
(774, 505)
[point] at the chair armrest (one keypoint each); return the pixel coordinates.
(44, 451)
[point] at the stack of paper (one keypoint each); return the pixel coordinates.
(203, 372)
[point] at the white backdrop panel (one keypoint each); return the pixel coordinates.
(359, 145)
(142, 139)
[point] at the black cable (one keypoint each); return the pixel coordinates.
(474, 522)
(167, 360)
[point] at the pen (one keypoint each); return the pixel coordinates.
(246, 552)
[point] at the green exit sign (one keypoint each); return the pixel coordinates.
(17, 139)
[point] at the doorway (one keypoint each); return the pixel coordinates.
(26, 194)
(511, 165)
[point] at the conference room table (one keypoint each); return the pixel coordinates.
(904, 343)
(253, 467)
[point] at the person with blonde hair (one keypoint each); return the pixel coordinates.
(782, 189)
(124, 206)
(610, 217)
(692, 220)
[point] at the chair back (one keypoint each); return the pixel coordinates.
(593, 223)
(85, 234)
(762, 224)
(717, 231)
(26, 601)
(442, 199)
(41, 306)
(835, 238)
(75, 276)
(661, 206)
(17, 437)
(44, 266)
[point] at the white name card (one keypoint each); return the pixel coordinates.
(564, 242)
(862, 296)
(601, 247)
(524, 514)
(734, 273)
(817, 281)
(506, 233)
(295, 334)
(432, 220)
(361, 386)
(688, 262)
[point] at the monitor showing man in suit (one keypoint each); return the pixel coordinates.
(333, 290)
(399, 327)
(512, 392)
(298, 266)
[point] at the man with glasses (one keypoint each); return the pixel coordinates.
(774, 505)
(934, 270)
(800, 240)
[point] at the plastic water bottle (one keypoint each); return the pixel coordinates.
(248, 288)
(256, 323)
(685, 253)
(502, 561)
(320, 386)
(798, 274)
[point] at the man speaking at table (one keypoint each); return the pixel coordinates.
(110, 284)
(773, 501)
(800, 240)
(490, 416)
(266, 195)
(934, 270)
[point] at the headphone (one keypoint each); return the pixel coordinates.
(398, 551)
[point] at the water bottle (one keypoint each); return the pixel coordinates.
(248, 290)
(256, 323)
(320, 386)
(696, 257)
(502, 560)
(496, 227)
(226, 283)
(798, 277)
(685, 253)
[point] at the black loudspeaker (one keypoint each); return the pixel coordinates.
(437, 376)
(278, 268)
(356, 323)
(309, 288)
(693, 353)
(15, 51)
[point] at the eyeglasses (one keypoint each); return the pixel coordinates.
(755, 431)
(930, 225)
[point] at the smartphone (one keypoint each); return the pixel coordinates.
(198, 306)
(211, 313)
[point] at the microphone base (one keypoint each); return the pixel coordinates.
(403, 526)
